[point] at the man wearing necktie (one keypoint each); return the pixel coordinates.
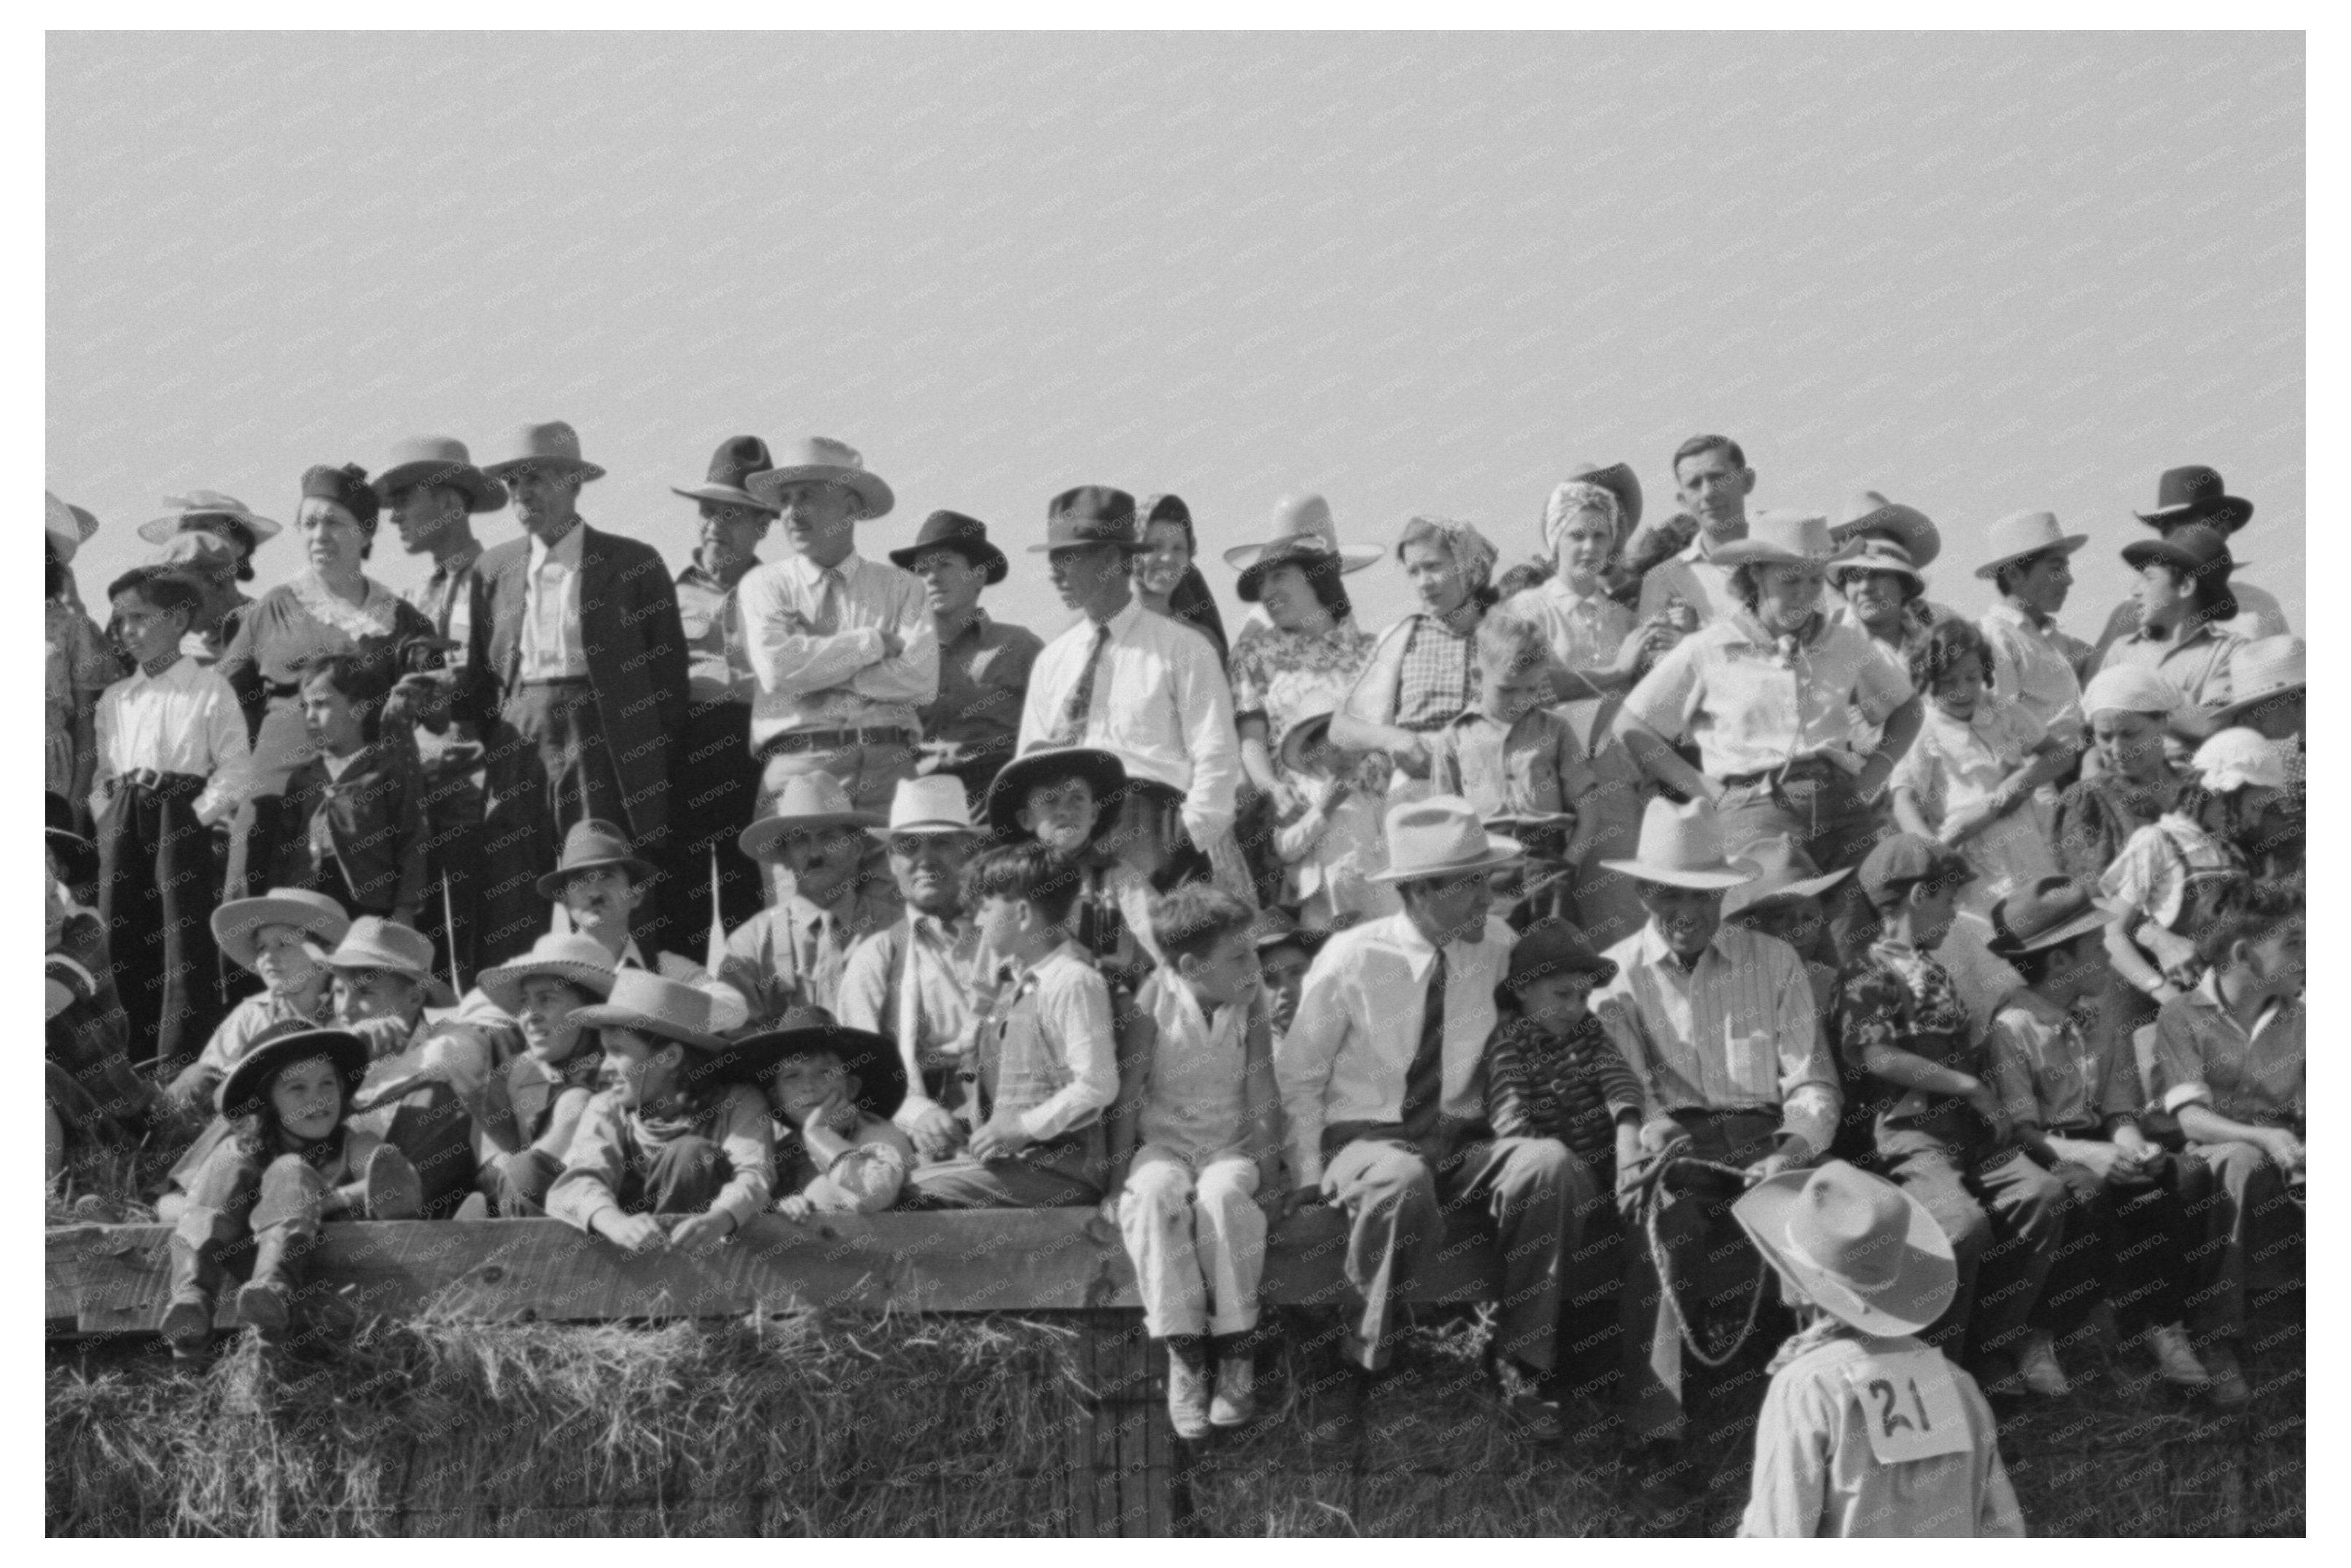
(1383, 1083)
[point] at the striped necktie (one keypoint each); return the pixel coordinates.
(1424, 1081)
(1081, 695)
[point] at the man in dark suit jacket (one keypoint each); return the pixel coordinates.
(584, 642)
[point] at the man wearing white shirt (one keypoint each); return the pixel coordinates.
(1712, 481)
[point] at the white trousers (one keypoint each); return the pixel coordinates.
(1195, 1237)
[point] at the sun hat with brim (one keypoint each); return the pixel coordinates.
(2236, 757)
(2053, 910)
(2263, 669)
(737, 458)
(1303, 533)
(1277, 927)
(2196, 494)
(1780, 539)
(246, 1087)
(77, 856)
(576, 960)
(1681, 846)
(1090, 515)
(1866, 1252)
(805, 1031)
(1442, 836)
(807, 803)
(1786, 873)
(1300, 732)
(440, 460)
(198, 505)
(820, 459)
(590, 845)
(236, 923)
(69, 526)
(932, 806)
(1870, 515)
(1555, 946)
(2020, 534)
(967, 537)
(375, 943)
(650, 1004)
(553, 448)
(1102, 771)
(1874, 554)
(2129, 688)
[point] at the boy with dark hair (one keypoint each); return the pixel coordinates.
(355, 810)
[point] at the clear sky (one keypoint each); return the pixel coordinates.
(1977, 272)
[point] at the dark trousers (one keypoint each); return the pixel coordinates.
(684, 1175)
(714, 792)
(234, 1194)
(2005, 1218)
(158, 882)
(549, 765)
(2129, 1245)
(519, 1185)
(1828, 820)
(454, 872)
(432, 1128)
(2245, 1204)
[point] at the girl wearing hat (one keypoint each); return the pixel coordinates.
(1421, 674)
(1305, 654)
(2183, 598)
(1165, 579)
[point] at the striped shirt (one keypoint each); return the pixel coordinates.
(1055, 1064)
(1541, 1086)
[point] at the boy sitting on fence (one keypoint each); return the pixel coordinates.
(547, 1084)
(833, 1091)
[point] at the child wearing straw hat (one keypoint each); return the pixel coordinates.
(283, 936)
(549, 1083)
(1866, 1431)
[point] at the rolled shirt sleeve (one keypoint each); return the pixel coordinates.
(590, 1185)
(1074, 1005)
(787, 656)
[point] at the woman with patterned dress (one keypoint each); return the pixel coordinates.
(1420, 674)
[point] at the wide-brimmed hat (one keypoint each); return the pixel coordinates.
(197, 554)
(197, 505)
(2195, 548)
(1866, 514)
(1442, 835)
(1866, 1252)
(803, 1031)
(1290, 746)
(280, 1046)
(440, 460)
(737, 458)
(820, 457)
(2129, 688)
(237, 923)
(1681, 846)
(650, 1004)
(1784, 871)
(931, 806)
(69, 526)
(1303, 531)
(2196, 494)
(2264, 668)
(967, 537)
(1619, 480)
(577, 960)
(1090, 515)
(1900, 859)
(591, 843)
(1553, 946)
(1277, 927)
(2020, 534)
(807, 801)
(1104, 774)
(375, 943)
(77, 856)
(1873, 553)
(553, 445)
(2051, 911)
(2236, 757)
(1780, 539)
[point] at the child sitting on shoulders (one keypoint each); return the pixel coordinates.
(1867, 1431)
(834, 1090)
(1332, 843)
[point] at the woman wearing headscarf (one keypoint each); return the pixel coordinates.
(1165, 578)
(1421, 674)
(2128, 708)
(1594, 651)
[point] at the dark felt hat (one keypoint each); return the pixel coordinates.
(1277, 927)
(1090, 515)
(1553, 947)
(1104, 774)
(1901, 858)
(280, 1046)
(2052, 910)
(2195, 494)
(874, 1058)
(590, 844)
(967, 537)
(737, 458)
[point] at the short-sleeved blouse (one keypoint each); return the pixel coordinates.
(1585, 631)
(1283, 675)
(286, 628)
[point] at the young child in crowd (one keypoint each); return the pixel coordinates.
(1048, 1065)
(2166, 883)
(677, 1154)
(291, 1161)
(354, 810)
(1285, 951)
(1072, 799)
(1334, 845)
(1866, 1430)
(1197, 1131)
(834, 1090)
(792, 953)
(550, 1080)
(283, 936)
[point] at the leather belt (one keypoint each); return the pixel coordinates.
(834, 739)
(1814, 767)
(155, 782)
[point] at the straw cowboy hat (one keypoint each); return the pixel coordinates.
(1864, 1250)
(2195, 494)
(1867, 513)
(554, 446)
(737, 458)
(1878, 554)
(1290, 746)
(1441, 836)
(1555, 946)
(1090, 515)
(198, 505)
(1302, 531)
(590, 844)
(237, 923)
(574, 959)
(440, 460)
(1104, 774)
(77, 856)
(69, 526)
(375, 943)
(1681, 846)
(804, 1030)
(967, 537)
(1786, 873)
(932, 806)
(807, 801)
(668, 1009)
(1782, 538)
(1619, 480)
(2262, 669)
(2020, 534)
(280, 1046)
(2053, 910)
(820, 457)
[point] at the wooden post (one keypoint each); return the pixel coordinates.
(1122, 1452)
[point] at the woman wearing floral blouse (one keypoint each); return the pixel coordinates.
(1307, 659)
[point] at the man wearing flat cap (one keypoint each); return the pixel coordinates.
(969, 727)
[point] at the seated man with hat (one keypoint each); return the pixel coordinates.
(1382, 1080)
(794, 952)
(522, 1142)
(969, 727)
(834, 1090)
(599, 887)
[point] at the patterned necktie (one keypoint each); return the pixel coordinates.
(1082, 696)
(1424, 1081)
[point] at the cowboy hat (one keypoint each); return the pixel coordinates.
(1104, 774)
(69, 526)
(576, 960)
(1681, 846)
(2020, 534)
(1277, 927)
(1441, 836)
(590, 844)
(2053, 910)
(1865, 1250)
(2235, 757)
(2264, 668)
(375, 943)
(967, 537)
(737, 458)
(440, 460)
(807, 801)
(1873, 553)
(1869, 513)
(77, 856)
(554, 446)
(650, 1004)
(1555, 946)
(280, 1046)
(2199, 495)
(1290, 746)
(197, 505)
(1900, 860)
(2195, 548)
(1297, 520)
(930, 806)
(237, 923)
(1090, 515)
(1619, 480)
(803, 1031)
(820, 457)
(1780, 539)
(1784, 872)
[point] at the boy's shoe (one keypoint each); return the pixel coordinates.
(187, 1325)
(2036, 1363)
(476, 1206)
(2227, 1387)
(2174, 1360)
(1235, 1401)
(1187, 1397)
(1528, 1405)
(391, 1186)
